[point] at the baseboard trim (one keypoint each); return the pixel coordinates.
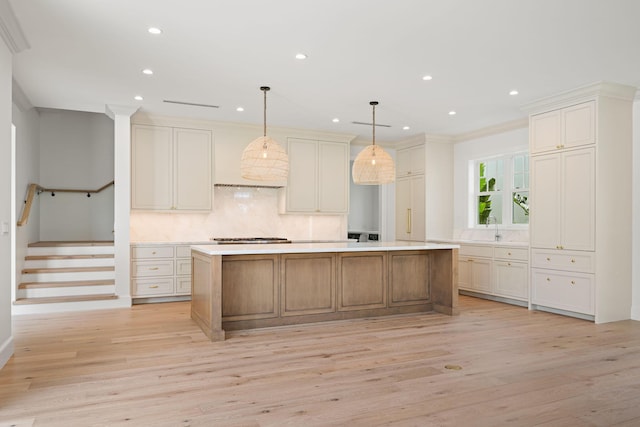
(6, 351)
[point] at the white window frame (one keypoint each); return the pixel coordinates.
(506, 191)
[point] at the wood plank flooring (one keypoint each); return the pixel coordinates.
(151, 366)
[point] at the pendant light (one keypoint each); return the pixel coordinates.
(373, 165)
(264, 159)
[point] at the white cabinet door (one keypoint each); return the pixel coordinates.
(410, 161)
(545, 131)
(410, 208)
(302, 187)
(333, 177)
(151, 167)
(511, 279)
(578, 125)
(544, 219)
(464, 273)
(192, 163)
(578, 200)
(481, 275)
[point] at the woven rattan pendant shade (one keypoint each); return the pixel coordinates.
(264, 159)
(373, 165)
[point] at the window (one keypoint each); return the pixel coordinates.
(501, 190)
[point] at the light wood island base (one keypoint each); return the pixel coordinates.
(245, 288)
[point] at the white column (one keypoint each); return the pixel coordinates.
(635, 227)
(121, 116)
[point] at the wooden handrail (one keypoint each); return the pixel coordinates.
(36, 189)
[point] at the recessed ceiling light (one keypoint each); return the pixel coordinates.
(240, 109)
(405, 128)
(427, 77)
(147, 71)
(452, 113)
(138, 98)
(336, 120)
(301, 56)
(154, 30)
(513, 92)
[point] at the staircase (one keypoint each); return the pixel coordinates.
(66, 276)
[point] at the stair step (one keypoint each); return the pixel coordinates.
(66, 270)
(51, 244)
(74, 298)
(41, 285)
(56, 257)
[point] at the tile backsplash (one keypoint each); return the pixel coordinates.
(237, 212)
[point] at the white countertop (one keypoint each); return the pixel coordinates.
(298, 248)
(483, 242)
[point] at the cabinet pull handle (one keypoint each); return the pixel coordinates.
(573, 261)
(573, 282)
(153, 268)
(548, 280)
(509, 264)
(561, 247)
(409, 221)
(153, 253)
(508, 253)
(548, 259)
(153, 286)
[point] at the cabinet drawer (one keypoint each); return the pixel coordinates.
(151, 252)
(152, 268)
(183, 251)
(517, 254)
(147, 287)
(183, 285)
(476, 250)
(183, 267)
(565, 291)
(563, 260)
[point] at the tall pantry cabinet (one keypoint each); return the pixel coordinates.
(581, 194)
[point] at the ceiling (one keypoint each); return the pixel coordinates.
(84, 55)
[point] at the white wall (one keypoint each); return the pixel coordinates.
(76, 152)
(6, 339)
(510, 141)
(635, 259)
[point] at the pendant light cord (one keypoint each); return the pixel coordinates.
(264, 90)
(374, 124)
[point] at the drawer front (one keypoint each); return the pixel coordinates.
(565, 291)
(563, 260)
(516, 254)
(151, 252)
(183, 251)
(183, 267)
(152, 268)
(476, 250)
(183, 285)
(151, 287)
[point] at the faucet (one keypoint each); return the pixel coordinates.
(498, 236)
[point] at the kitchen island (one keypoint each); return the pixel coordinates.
(261, 285)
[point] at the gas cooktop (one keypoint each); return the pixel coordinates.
(247, 240)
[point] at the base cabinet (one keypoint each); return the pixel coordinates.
(499, 271)
(160, 270)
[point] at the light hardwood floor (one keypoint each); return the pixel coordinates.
(151, 366)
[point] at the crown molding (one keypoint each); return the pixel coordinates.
(19, 98)
(10, 29)
(493, 130)
(581, 94)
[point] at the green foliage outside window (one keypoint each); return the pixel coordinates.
(484, 202)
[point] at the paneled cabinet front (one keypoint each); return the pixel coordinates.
(160, 270)
(564, 128)
(318, 177)
(171, 168)
(410, 208)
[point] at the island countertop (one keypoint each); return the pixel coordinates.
(301, 248)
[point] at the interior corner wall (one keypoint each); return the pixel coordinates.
(635, 242)
(76, 152)
(511, 141)
(6, 338)
(27, 172)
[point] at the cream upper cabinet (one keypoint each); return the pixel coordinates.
(563, 198)
(171, 168)
(410, 208)
(318, 176)
(410, 161)
(564, 128)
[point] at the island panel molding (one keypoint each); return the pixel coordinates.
(318, 282)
